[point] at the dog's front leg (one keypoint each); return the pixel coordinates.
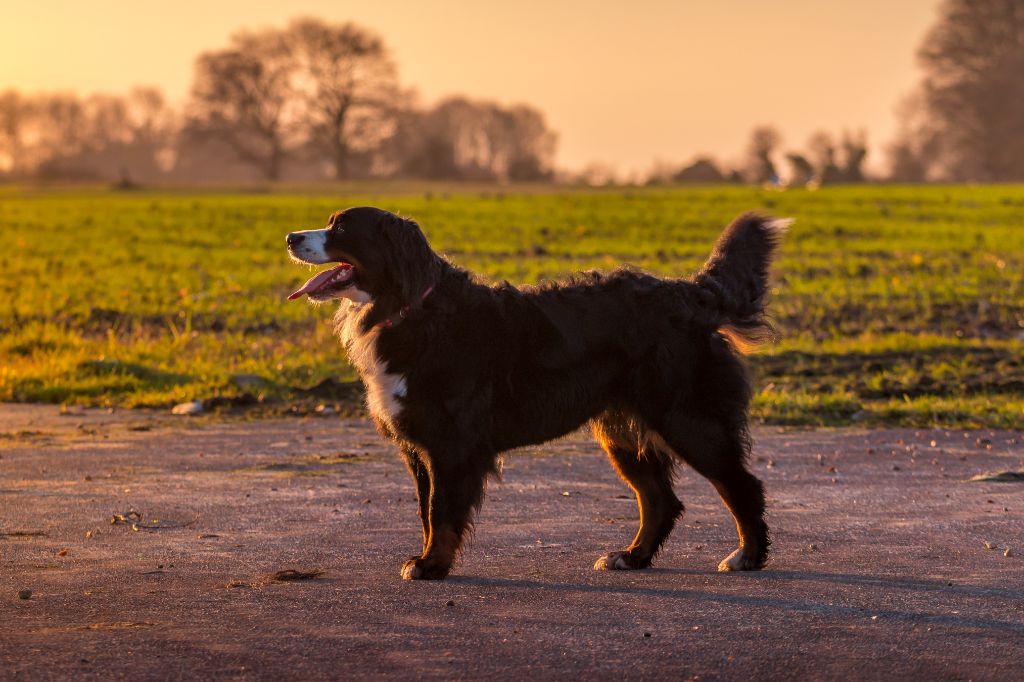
(456, 489)
(421, 477)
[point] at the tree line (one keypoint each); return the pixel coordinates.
(317, 100)
(963, 123)
(313, 100)
(826, 159)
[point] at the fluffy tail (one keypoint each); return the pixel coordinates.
(736, 276)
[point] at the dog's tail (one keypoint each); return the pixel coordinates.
(736, 276)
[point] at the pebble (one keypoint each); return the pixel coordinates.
(1008, 552)
(25, 594)
(194, 407)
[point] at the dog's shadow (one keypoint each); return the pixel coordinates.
(883, 585)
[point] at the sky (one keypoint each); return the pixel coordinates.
(623, 83)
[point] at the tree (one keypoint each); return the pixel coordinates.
(524, 147)
(442, 142)
(467, 140)
(14, 113)
(822, 151)
(906, 164)
(99, 136)
(129, 138)
(855, 150)
(763, 142)
(348, 86)
(825, 164)
(243, 97)
(912, 155)
(972, 94)
(803, 170)
(598, 174)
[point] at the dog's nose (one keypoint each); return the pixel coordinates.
(294, 239)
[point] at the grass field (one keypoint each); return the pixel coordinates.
(896, 304)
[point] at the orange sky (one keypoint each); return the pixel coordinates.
(625, 83)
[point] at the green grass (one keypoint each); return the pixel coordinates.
(897, 304)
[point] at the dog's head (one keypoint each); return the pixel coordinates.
(380, 257)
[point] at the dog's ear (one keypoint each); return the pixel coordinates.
(413, 264)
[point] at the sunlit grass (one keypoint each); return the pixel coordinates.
(896, 304)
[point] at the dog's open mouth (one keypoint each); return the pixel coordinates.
(335, 279)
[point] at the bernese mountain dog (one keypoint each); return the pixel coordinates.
(458, 371)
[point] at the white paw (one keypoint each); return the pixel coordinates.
(411, 571)
(737, 561)
(613, 561)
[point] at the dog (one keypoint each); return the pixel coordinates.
(458, 371)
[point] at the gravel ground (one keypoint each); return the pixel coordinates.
(881, 564)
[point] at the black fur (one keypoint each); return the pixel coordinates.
(650, 363)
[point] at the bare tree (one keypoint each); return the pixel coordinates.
(105, 121)
(440, 142)
(523, 147)
(803, 170)
(822, 151)
(598, 174)
(660, 173)
(154, 126)
(906, 165)
(128, 137)
(763, 142)
(99, 136)
(972, 95)
(348, 86)
(855, 150)
(14, 113)
(243, 97)
(463, 139)
(912, 154)
(57, 131)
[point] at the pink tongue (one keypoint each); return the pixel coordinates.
(317, 281)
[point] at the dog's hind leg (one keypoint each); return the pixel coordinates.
(649, 473)
(718, 452)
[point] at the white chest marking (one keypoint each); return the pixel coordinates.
(383, 389)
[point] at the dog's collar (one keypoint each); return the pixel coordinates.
(401, 314)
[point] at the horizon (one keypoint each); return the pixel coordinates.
(607, 106)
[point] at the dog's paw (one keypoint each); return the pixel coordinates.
(741, 560)
(418, 568)
(620, 561)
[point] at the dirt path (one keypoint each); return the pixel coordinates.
(880, 567)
